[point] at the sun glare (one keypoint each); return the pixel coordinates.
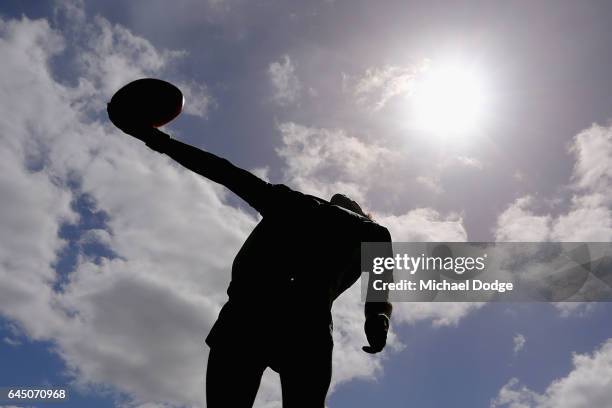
(449, 100)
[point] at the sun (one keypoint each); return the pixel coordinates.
(449, 99)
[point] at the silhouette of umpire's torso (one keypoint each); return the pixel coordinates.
(300, 257)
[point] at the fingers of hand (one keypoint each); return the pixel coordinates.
(371, 350)
(376, 333)
(124, 122)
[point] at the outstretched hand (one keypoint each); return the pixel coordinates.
(376, 329)
(124, 122)
(153, 137)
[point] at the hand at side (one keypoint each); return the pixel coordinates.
(376, 329)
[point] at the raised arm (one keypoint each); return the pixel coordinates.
(243, 183)
(246, 185)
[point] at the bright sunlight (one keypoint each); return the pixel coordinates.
(449, 99)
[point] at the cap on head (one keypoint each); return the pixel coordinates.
(343, 201)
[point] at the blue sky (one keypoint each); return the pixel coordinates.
(114, 260)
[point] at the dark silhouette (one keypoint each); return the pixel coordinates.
(300, 257)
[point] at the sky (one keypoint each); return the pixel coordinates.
(114, 260)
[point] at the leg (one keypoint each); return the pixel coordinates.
(232, 377)
(305, 376)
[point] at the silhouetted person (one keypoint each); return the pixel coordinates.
(300, 257)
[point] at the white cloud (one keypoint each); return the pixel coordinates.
(432, 183)
(519, 176)
(12, 406)
(575, 309)
(470, 162)
(378, 85)
(324, 162)
(262, 172)
(593, 168)
(439, 313)
(589, 384)
(518, 223)
(286, 84)
(12, 342)
(519, 342)
(198, 101)
(588, 218)
(512, 395)
(425, 225)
